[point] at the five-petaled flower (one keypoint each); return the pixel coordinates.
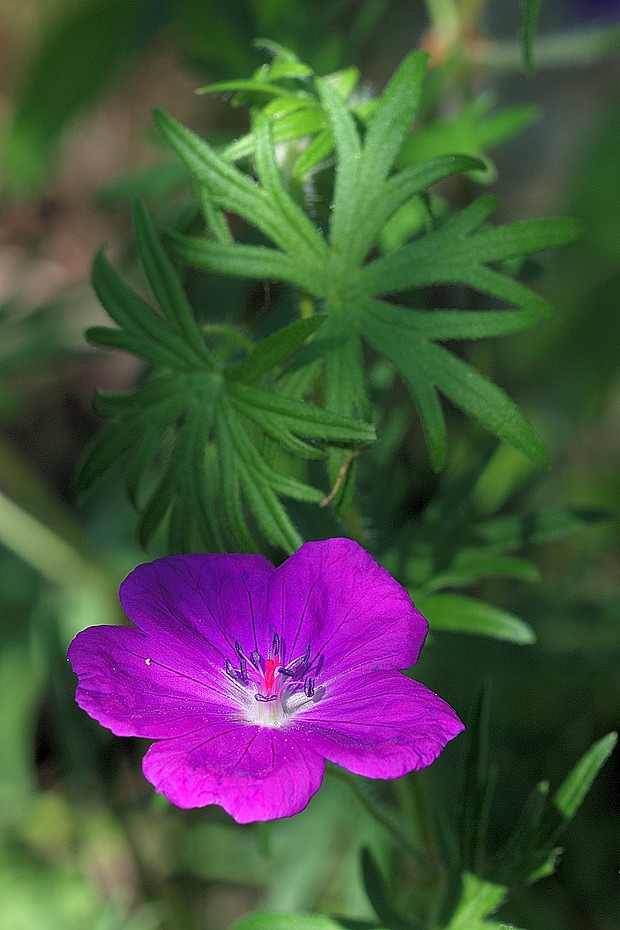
(248, 677)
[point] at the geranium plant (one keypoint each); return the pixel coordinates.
(252, 440)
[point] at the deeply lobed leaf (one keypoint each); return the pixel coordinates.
(198, 434)
(368, 189)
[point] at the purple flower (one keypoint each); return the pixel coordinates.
(249, 677)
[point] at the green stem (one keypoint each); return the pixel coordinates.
(43, 549)
(387, 819)
(414, 800)
(562, 49)
(444, 18)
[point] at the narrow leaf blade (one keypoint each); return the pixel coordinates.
(164, 282)
(571, 793)
(458, 613)
(275, 350)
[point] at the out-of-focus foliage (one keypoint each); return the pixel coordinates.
(490, 545)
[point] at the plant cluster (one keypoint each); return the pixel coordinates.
(345, 204)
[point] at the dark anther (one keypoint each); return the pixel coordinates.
(263, 699)
(256, 660)
(244, 669)
(309, 687)
(232, 672)
(276, 644)
(286, 671)
(238, 649)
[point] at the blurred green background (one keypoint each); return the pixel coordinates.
(83, 842)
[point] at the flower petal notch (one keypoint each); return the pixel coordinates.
(248, 677)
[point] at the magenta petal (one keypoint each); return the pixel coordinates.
(130, 686)
(205, 602)
(335, 597)
(382, 726)
(254, 773)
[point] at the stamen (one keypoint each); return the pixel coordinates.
(236, 675)
(297, 666)
(266, 679)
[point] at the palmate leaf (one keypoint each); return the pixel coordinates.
(352, 286)
(195, 431)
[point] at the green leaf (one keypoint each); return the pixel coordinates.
(243, 261)
(276, 349)
(471, 567)
(391, 119)
(459, 324)
(361, 172)
(346, 389)
(529, 22)
(159, 342)
(479, 899)
(273, 920)
(249, 86)
(571, 793)
(347, 185)
(476, 795)
(531, 851)
(472, 130)
(258, 482)
(165, 283)
(521, 856)
(231, 491)
(450, 255)
(304, 238)
(109, 446)
(317, 151)
(301, 418)
(397, 190)
(402, 336)
(368, 190)
(299, 119)
(204, 437)
(479, 397)
(79, 53)
(515, 532)
(460, 614)
(271, 210)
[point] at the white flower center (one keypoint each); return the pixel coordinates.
(268, 691)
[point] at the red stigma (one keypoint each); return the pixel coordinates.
(270, 671)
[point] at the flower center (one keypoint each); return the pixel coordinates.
(270, 691)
